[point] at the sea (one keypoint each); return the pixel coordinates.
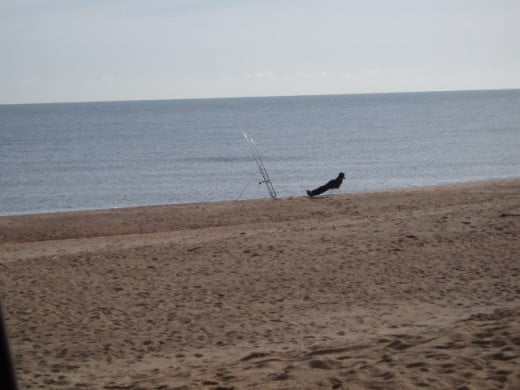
(101, 155)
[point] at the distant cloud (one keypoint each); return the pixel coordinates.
(29, 81)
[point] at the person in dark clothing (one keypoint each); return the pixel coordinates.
(334, 183)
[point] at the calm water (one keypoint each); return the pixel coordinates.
(102, 155)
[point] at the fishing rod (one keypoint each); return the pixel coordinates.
(261, 167)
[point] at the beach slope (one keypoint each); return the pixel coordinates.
(399, 289)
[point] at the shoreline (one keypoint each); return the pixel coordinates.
(395, 289)
(390, 189)
(13, 227)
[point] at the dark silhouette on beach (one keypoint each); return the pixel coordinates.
(331, 184)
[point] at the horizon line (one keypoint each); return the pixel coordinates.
(260, 96)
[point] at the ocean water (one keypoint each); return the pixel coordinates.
(76, 156)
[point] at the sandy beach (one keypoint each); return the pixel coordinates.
(402, 289)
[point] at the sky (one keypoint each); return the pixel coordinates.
(105, 50)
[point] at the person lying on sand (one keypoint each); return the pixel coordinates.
(334, 183)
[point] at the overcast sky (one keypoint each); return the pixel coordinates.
(97, 50)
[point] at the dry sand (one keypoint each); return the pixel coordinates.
(400, 289)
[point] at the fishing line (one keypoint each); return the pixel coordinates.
(247, 185)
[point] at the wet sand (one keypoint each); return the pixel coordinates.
(395, 290)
